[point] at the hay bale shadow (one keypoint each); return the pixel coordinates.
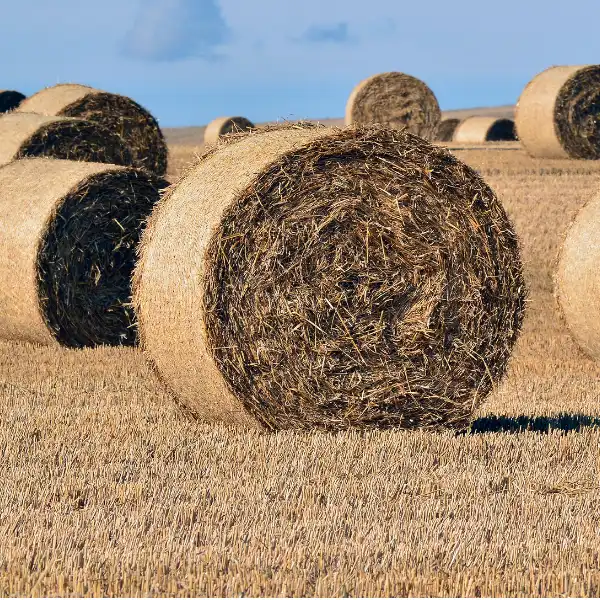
(564, 423)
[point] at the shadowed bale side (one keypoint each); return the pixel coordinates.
(558, 113)
(446, 129)
(10, 99)
(120, 114)
(25, 135)
(67, 250)
(485, 129)
(395, 100)
(225, 126)
(322, 278)
(577, 278)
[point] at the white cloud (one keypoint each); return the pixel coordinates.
(171, 30)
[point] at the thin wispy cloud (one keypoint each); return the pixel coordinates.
(337, 33)
(171, 30)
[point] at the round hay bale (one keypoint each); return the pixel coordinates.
(577, 279)
(475, 130)
(225, 126)
(323, 278)
(120, 114)
(67, 250)
(9, 100)
(25, 135)
(445, 130)
(395, 100)
(558, 113)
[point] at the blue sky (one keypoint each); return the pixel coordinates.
(189, 61)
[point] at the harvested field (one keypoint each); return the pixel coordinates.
(108, 489)
(193, 136)
(181, 156)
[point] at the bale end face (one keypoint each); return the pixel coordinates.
(310, 279)
(87, 256)
(10, 100)
(397, 101)
(445, 130)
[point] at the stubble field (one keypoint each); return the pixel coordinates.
(105, 489)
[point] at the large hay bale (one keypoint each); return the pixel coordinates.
(31, 135)
(68, 232)
(577, 278)
(221, 126)
(476, 130)
(558, 113)
(313, 277)
(445, 130)
(395, 100)
(10, 99)
(120, 114)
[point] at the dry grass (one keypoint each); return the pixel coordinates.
(180, 156)
(107, 489)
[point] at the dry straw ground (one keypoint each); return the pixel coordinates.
(107, 489)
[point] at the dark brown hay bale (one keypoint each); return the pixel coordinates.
(120, 114)
(68, 232)
(445, 130)
(314, 277)
(25, 135)
(395, 100)
(225, 126)
(577, 278)
(475, 130)
(558, 114)
(10, 99)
